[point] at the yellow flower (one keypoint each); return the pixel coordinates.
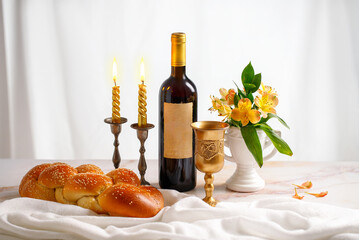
(223, 92)
(267, 101)
(267, 89)
(245, 113)
(216, 103)
(222, 108)
(227, 96)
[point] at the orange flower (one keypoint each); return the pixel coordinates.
(296, 195)
(322, 194)
(245, 113)
(228, 96)
(306, 185)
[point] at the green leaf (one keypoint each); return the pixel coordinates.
(249, 87)
(277, 141)
(235, 123)
(250, 81)
(236, 100)
(262, 125)
(251, 139)
(250, 96)
(247, 77)
(240, 93)
(279, 119)
(257, 81)
(236, 86)
(247, 74)
(271, 115)
(264, 120)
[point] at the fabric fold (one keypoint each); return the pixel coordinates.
(184, 217)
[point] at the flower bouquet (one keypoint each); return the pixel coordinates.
(250, 109)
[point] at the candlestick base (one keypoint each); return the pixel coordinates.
(142, 134)
(116, 130)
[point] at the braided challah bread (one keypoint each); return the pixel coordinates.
(117, 193)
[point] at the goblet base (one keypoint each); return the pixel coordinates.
(210, 201)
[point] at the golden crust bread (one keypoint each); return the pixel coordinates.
(117, 193)
(124, 175)
(85, 184)
(89, 168)
(131, 201)
(56, 175)
(29, 186)
(33, 189)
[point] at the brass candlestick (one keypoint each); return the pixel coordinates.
(116, 130)
(142, 134)
(209, 153)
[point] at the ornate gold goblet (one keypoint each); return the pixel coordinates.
(209, 153)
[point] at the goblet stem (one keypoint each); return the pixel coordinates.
(209, 187)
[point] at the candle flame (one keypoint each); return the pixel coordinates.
(142, 71)
(114, 70)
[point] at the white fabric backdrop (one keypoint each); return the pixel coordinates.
(56, 64)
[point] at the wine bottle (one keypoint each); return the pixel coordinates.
(178, 109)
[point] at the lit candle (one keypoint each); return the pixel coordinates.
(116, 117)
(142, 111)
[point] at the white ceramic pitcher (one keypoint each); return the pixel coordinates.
(245, 178)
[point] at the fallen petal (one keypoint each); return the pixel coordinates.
(322, 194)
(306, 185)
(296, 195)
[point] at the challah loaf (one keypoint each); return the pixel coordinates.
(117, 193)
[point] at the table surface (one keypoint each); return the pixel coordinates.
(340, 179)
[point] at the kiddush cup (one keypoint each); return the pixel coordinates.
(209, 152)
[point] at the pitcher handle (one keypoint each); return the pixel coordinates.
(268, 143)
(229, 158)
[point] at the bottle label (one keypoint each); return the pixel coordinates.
(177, 136)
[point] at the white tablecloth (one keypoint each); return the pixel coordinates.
(271, 213)
(184, 217)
